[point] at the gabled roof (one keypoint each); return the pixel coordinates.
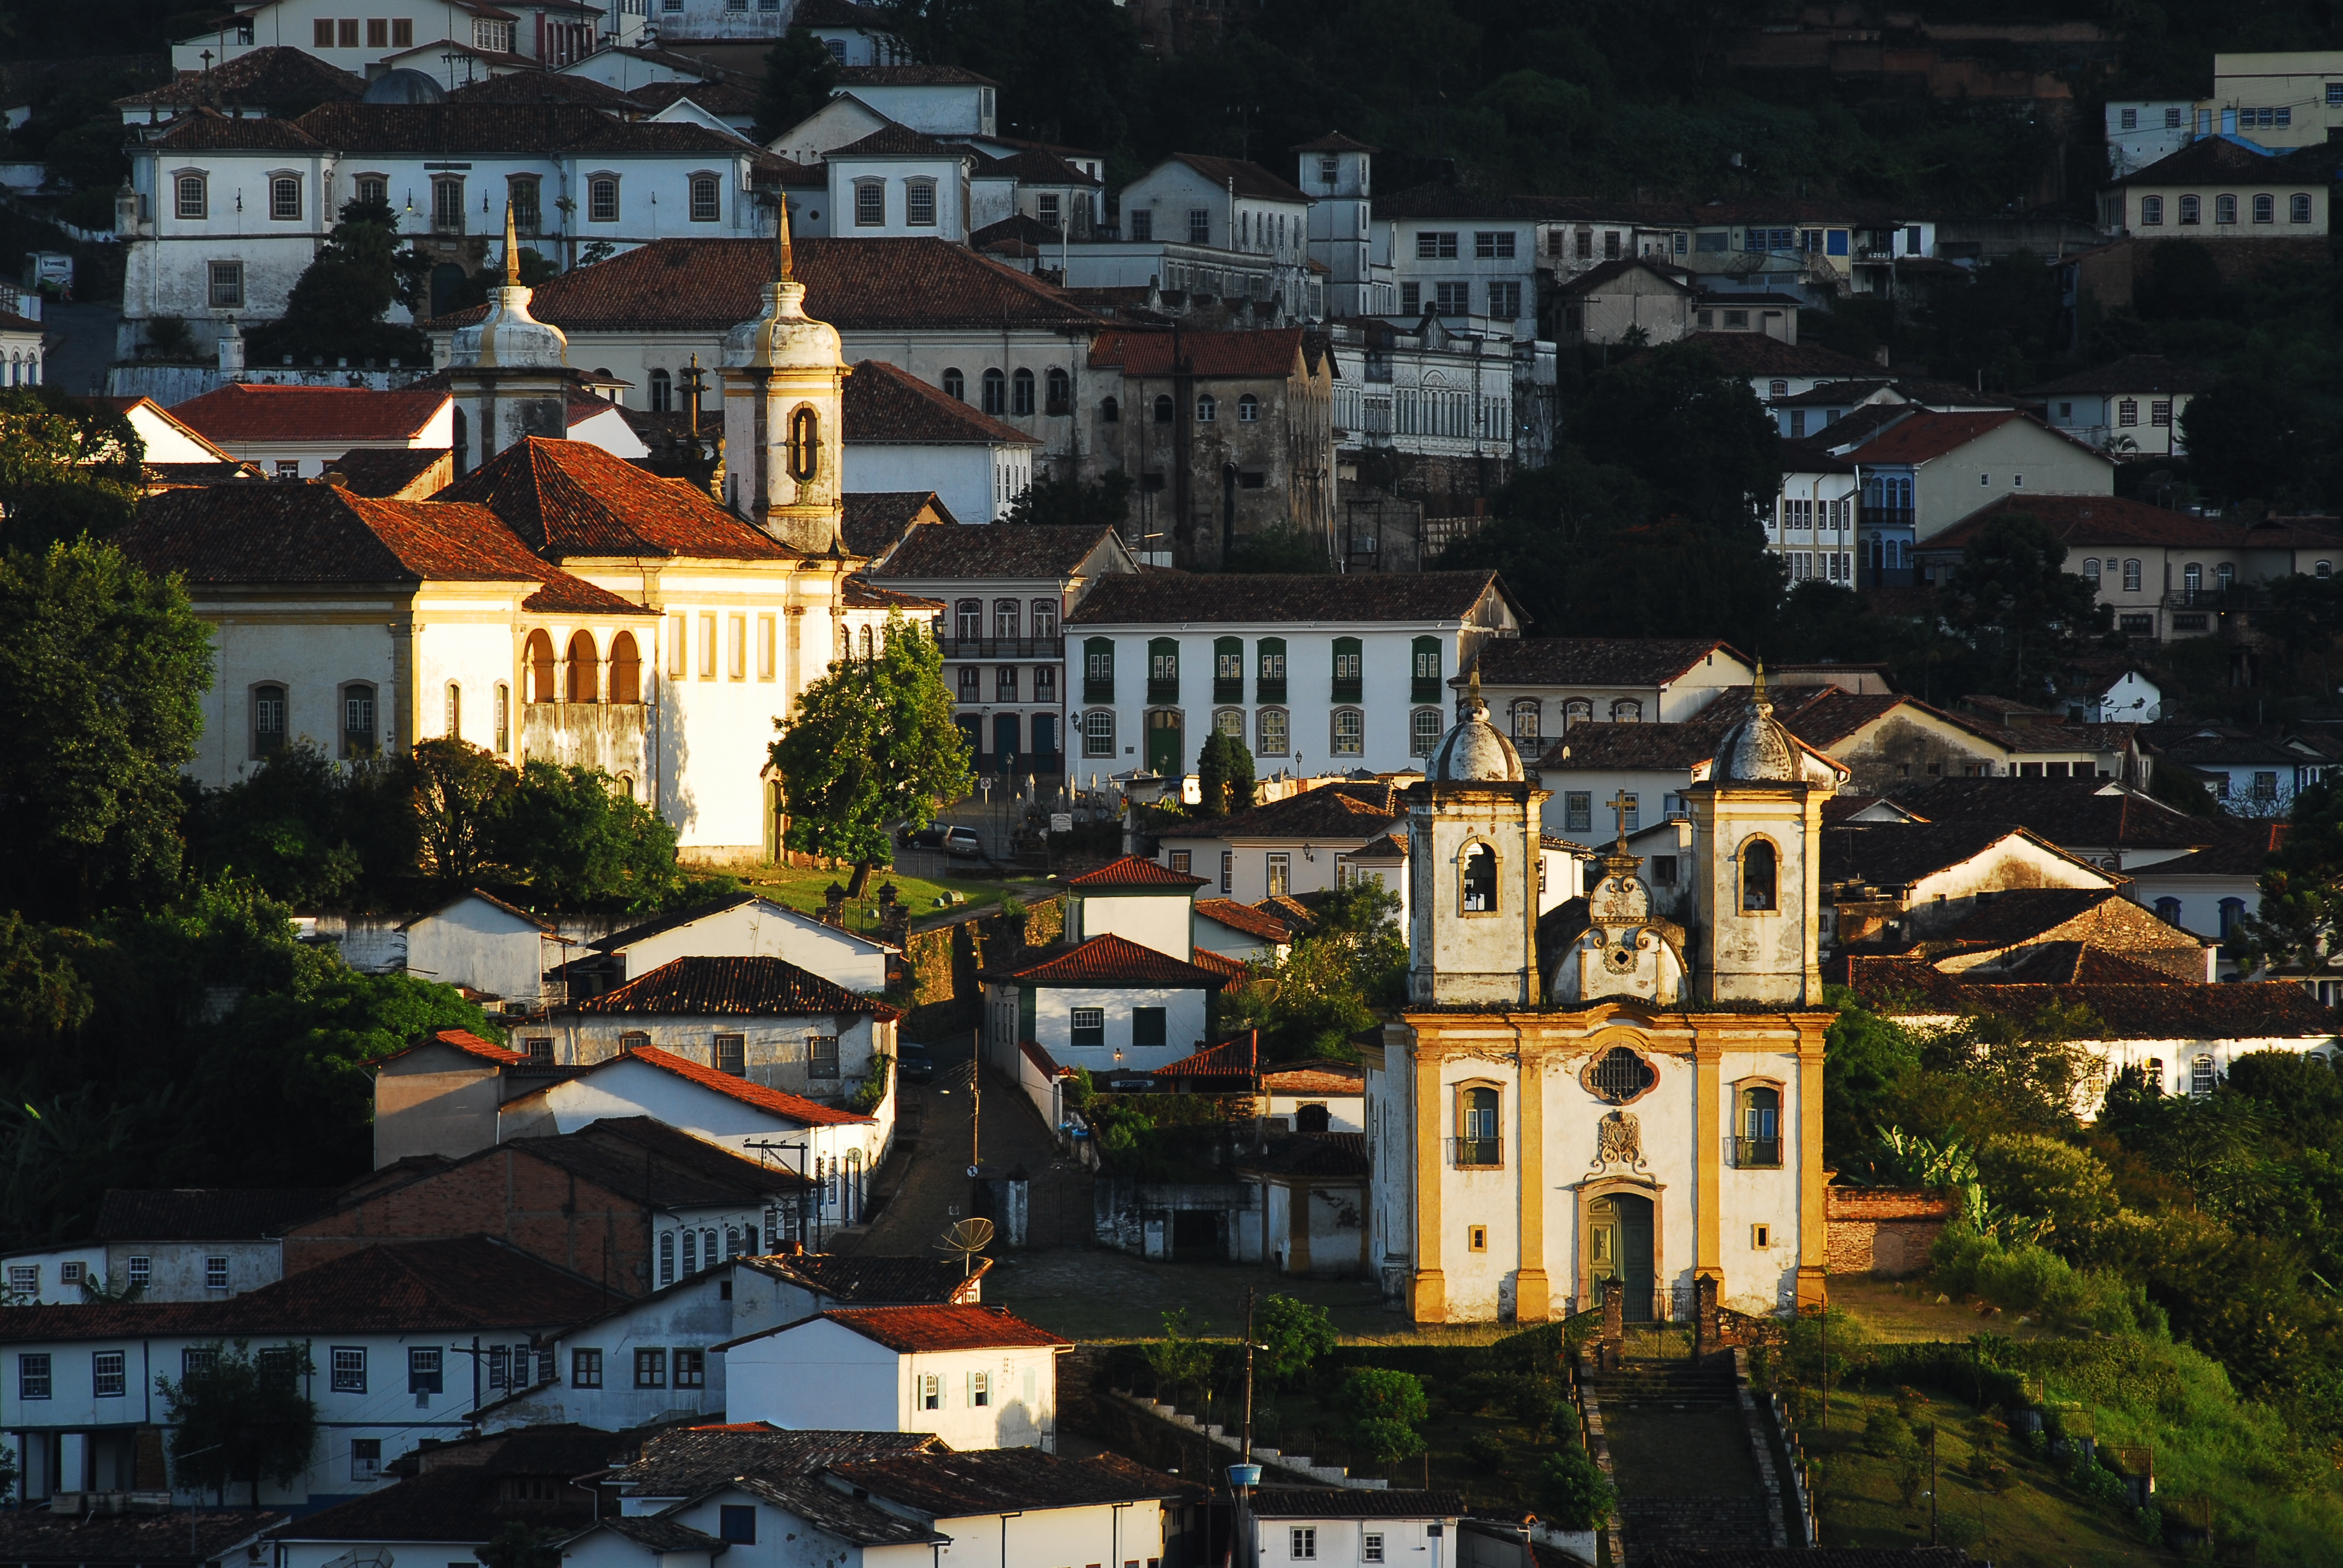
(760, 986)
(664, 1167)
(791, 1107)
(2075, 963)
(1596, 277)
(475, 129)
(465, 1041)
(1247, 179)
(944, 1485)
(1107, 960)
(542, 87)
(873, 1280)
(656, 1535)
(460, 1497)
(2133, 373)
(993, 550)
(925, 1330)
(30, 1535)
(839, 1512)
(573, 498)
(876, 519)
(1592, 661)
(2017, 916)
(467, 896)
(203, 1213)
(1330, 812)
(1333, 142)
(893, 140)
(272, 76)
(254, 412)
(1268, 353)
(1605, 745)
(1236, 1057)
(887, 405)
(855, 285)
(1314, 1077)
(1899, 854)
(2093, 813)
(1354, 1503)
(1245, 919)
(686, 1463)
(2231, 160)
(203, 130)
(2250, 1009)
(1925, 435)
(2081, 522)
(1158, 598)
(387, 470)
(1133, 871)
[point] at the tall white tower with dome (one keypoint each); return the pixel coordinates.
(1472, 865)
(784, 378)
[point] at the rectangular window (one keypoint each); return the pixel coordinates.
(1349, 732)
(227, 284)
(1199, 226)
(919, 205)
(1498, 246)
(678, 640)
(142, 1272)
(216, 1274)
(192, 195)
(1453, 298)
(708, 646)
(321, 33)
(602, 200)
(2159, 413)
(737, 1524)
(1411, 298)
(366, 1459)
(285, 199)
(2131, 120)
(706, 200)
(650, 1369)
(731, 1054)
(821, 1056)
(736, 648)
(349, 1369)
(377, 33)
(691, 1369)
(106, 1378)
(1228, 869)
(1147, 1026)
(1279, 874)
(869, 203)
(585, 1369)
(1143, 225)
(1303, 1542)
(1505, 300)
(1371, 1547)
(425, 1369)
(25, 1278)
(931, 1391)
(500, 1366)
(1090, 1026)
(1578, 812)
(1435, 246)
(197, 1359)
(447, 205)
(402, 33)
(348, 29)
(980, 1390)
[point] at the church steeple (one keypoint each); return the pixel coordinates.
(1472, 869)
(784, 376)
(508, 371)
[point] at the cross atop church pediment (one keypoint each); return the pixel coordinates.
(1620, 804)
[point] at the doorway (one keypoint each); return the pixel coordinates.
(1619, 1247)
(1196, 1233)
(1166, 753)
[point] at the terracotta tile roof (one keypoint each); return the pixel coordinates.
(910, 76)
(2250, 1009)
(1220, 963)
(922, 1330)
(887, 405)
(1592, 661)
(246, 412)
(893, 140)
(1392, 846)
(1043, 1062)
(1133, 871)
(1248, 179)
(543, 87)
(1928, 436)
(1756, 354)
(271, 74)
(572, 498)
(992, 550)
(2075, 963)
(719, 98)
(2082, 522)
(657, 1536)
(1333, 142)
(1830, 394)
(1292, 911)
(858, 594)
(2019, 915)
(1814, 456)
(1236, 1057)
(1332, 811)
(843, 1514)
(1827, 715)
(2074, 813)
(2227, 160)
(1315, 1077)
(203, 130)
(1244, 918)
(1354, 1503)
(660, 1166)
(1667, 746)
(461, 129)
(875, 1280)
(855, 285)
(794, 1108)
(1107, 960)
(132, 1539)
(467, 896)
(2132, 372)
(474, 1282)
(1899, 854)
(203, 1213)
(288, 533)
(685, 1464)
(1035, 166)
(2241, 856)
(761, 987)
(387, 471)
(1158, 598)
(876, 519)
(1002, 1479)
(1268, 354)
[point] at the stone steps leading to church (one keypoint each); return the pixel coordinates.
(1694, 1524)
(1682, 1385)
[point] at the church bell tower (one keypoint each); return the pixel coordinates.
(508, 373)
(1756, 853)
(784, 378)
(1473, 870)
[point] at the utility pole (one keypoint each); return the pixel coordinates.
(1244, 1474)
(1932, 1484)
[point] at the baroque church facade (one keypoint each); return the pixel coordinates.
(1602, 1096)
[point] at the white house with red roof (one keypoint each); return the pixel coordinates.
(743, 926)
(297, 432)
(1153, 905)
(483, 944)
(977, 1377)
(902, 434)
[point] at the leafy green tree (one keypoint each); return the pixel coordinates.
(799, 74)
(1865, 1060)
(1385, 1409)
(57, 1157)
(2300, 917)
(1696, 436)
(459, 795)
(1282, 549)
(2028, 615)
(579, 839)
(338, 304)
(284, 827)
(1572, 1492)
(1330, 983)
(102, 670)
(2255, 435)
(238, 1415)
(1072, 503)
(1224, 780)
(1179, 1357)
(67, 467)
(1296, 1335)
(872, 744)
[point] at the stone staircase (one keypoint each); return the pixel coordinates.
(1666, 1385)
(1694, 1525)
(1682, 1458)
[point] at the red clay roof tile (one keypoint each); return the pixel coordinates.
(885, 405)
(1269, 353)
(1133, 871)
(914, 1330)
(760, 985)
(796, 1107)
(249, 412)
(573, 498)
(1108, 961)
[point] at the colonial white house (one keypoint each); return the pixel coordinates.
(184, 1245)
(297, 432)
(387, 1335)
(1469, 258)
(1345, 672)
(1107, 1004)
(24, 343)
(760, 1017)
(1228, 205)
(222, 217)
(903, 434)
(1539, 687)
(2130, 408)
(977, 1377)
(740, 926)
(539, 34)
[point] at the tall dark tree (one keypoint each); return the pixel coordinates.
(1072, 502)
(1696, 437)
(2027, 615)
(67, 467)
(799, 74)
(337, 304)
(240, 1415)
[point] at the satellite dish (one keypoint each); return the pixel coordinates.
(967, 1239)
(404, 87)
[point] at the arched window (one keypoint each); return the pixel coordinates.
(1626, 711)
(585, 679)
(1207, 408)
(2167, 910)
(504, 718)
(662, 392)
(539, 660)
(1424, 732)
(968, 616)
(1020, 392)
(1479, 882)
(455, 729)
(285, 199)
(1757, 875)
(2091, 572)
(268, 721)
(1527, 712)
(2298, 209)
(1478, 1140)
(869, 647)
(2192, 576)
(1577, 710)
(1163, 410)
(996, 392)
(2200, 1077)
(1110, 412)
(1757, 1142)
(360, 738)
(955, 385)
(2151, 212)
(1004, 619)
(626, 669)
(805, 445)
(2192, 209)
(2131, 576)
(1273, 732)
(1248, 410)
(1060, 388)
(1045, 618)
(2265, 209)
(2225, 209)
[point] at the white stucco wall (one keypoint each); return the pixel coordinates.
(822, 1375)
(960, 475)
(474, 943)
(1157, 920)
(762, 929)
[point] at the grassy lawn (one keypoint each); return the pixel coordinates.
(1907, 1312)
(803, 889)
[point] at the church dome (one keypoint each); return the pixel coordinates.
(783, 336)
(1757, 751)
(1474, 752)
(509, 337)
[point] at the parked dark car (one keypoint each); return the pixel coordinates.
(914, 1063)
(963, 841)
(930, 837)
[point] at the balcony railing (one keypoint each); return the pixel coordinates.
(1098, 689)
(1871, 516)
(1162, 690)
(1351, 689)
(1757, 1153)
(1270, 689)
(1227, 689)
(1476, 1154)
(1004, 646)
(1423, 689)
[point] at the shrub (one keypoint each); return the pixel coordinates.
(1295, 1334)
(1387, 1440)
(1573, 1492)
(1887, 1435)
(1378, 1393)
(1486, 1450)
